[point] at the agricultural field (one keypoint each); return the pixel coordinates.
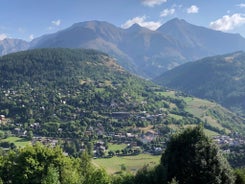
(129, 163)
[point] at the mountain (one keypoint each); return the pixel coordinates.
(12, 45)
(219, 78)
(197, 42)
(97, 35)
(142, 51)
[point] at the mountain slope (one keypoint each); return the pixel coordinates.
(142, 51)
(12, 45)
(70, 92)
(219, 78)
(197, 42)
(97, 35)
(85, 93)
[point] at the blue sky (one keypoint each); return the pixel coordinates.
(28, 19)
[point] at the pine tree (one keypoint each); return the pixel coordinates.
(191, 158)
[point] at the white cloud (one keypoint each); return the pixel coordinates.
(152, 3)
(142, 22)
(242, 5)
(167, 12)
(56, 22)
(3, 36)
(228, 22)
(193, 9)
(31, 37)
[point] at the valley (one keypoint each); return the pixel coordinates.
(83, 100)
(122, 92)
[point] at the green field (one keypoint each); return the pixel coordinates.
(115, 147)
(132, 163)
(19, 142)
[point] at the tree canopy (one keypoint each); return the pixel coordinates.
(191, 157)
(39, 164)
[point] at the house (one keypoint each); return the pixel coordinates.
(2, 117)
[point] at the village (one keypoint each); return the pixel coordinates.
(143, 142)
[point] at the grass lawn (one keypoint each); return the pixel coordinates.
(115, 147)
(19, 142)
(132, 163)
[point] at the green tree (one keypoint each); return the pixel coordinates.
(52, 176)
(173, 181)
(30, 135)
(123, 178)
(43, 165)
(89, 174)
(240, 176)
(192, 158)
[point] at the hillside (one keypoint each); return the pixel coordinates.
(220, 78)
(72, 93)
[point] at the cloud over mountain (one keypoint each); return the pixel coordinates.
(152, 25)
(228, 22)
(167, 12)
(56, 22)
(193, 9)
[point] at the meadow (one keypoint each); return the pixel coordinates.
(129, 163)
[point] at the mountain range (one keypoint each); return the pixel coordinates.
(220, 78)
(142, 51)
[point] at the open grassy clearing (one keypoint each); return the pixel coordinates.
(115, 147)
(167, 93)
(198, 106)
(19, 142)
(132, 163)
(210, 133)
(175, 116)
(146, 129)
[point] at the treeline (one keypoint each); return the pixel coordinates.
(190, 157)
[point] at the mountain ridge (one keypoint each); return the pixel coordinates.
(142, 51)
